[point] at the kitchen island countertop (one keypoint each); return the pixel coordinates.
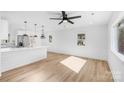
(2, 50)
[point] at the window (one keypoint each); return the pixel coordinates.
(120, 37)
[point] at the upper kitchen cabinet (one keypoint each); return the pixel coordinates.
(3, 29)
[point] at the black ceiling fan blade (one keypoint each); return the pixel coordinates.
(61, 22)
(74, 17)
(56, 18)
(70, 22)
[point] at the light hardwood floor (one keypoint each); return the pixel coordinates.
(51, 70)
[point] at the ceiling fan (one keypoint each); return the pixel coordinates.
(65, 18)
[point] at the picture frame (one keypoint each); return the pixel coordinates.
(50, 38)
(81, 39)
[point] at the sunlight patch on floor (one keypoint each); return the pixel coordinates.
(74, 63)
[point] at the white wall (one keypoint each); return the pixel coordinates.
(65, 41)
(116, 64)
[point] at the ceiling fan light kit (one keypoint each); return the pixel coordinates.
(65, 18)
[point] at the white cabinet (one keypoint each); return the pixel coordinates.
(3, 34)
(3, 29)
(0, 64)
(15, 57)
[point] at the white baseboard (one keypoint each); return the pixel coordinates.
(72, 54)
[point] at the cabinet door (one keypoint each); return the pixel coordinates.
(3, 29)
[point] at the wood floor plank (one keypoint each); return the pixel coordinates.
(51, 70)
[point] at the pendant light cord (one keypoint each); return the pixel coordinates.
(35, 28)
(25, 26)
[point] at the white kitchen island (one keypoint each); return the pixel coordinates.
(15, 57)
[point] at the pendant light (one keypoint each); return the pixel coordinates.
(42, 35)
(35, 30)
(25, 22)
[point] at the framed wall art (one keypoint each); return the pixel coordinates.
(50, 38)
(81, 39)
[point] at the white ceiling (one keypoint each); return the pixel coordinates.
(42, 18)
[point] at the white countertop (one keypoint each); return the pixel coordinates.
(2, 50)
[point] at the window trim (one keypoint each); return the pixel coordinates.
(114, 44)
